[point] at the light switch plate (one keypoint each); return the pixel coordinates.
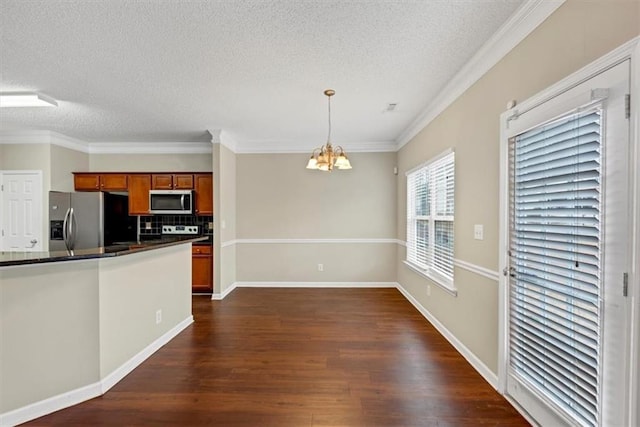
(478, 232)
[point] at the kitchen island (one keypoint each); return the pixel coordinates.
(73, 324)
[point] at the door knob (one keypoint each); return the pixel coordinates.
(33, 242)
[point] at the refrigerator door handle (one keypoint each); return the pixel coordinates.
(72, 229)
(65, 228)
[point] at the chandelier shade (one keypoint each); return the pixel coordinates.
(326, 158)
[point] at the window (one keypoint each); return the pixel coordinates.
(430, 213)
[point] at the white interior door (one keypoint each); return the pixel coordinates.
(21, 215)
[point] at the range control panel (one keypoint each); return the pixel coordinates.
(179, 229)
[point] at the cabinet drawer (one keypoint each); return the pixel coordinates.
(201, 250)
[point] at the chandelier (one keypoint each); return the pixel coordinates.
(327, 157)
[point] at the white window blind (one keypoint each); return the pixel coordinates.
(555, 263)
(430, 218)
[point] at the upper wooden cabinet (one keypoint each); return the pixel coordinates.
(171, 182)
(100, 182)
(139, 186)
(204, 193)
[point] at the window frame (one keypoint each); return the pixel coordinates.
(428, 270)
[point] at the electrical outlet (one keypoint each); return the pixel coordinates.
(147, 225)
(320, 267)
(223, 224)
(211, 226)
(478, 232)
(158, 316)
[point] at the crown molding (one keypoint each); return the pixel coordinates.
(279, 147)
(43, 137)
(54, 138)
(222, 137)
(526, 19)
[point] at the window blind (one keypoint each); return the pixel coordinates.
(430, 215)
(555, 263)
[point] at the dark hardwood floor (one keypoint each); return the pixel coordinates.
(300, 357)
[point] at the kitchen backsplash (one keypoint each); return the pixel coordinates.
(150, 225)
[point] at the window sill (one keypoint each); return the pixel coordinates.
(446, 285)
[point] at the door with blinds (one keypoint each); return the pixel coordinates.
(568, 252)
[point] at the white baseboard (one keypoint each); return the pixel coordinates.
(314, 285)
(52, 404)
(235, 285)
(224, 293)
(82, 394)
(114, 377)
(478, 365)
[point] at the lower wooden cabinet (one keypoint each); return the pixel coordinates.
(201, 269)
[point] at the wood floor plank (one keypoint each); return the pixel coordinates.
(300, 357)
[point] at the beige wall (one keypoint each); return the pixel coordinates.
(576, 34)
(226, 211)
(277, 198)
(70, 324)
(31, 157)
(63, 162)
(150, 162)
(49, 331)
(28, 157)
(132, 288)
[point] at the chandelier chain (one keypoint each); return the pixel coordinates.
(329, 135)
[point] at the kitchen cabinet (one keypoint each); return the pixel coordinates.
(204, 193)
(100, 182)
(139, 186)
(171, 182)
(201, 269)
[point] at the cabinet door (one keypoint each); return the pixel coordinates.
(139, 186)
(113, 182)
(202, 273)
(204, 193)
(86, 182)
(183, 182)
(161, 182)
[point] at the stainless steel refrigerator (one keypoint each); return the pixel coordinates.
(89, 220)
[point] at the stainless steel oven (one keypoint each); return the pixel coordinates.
(171, 202)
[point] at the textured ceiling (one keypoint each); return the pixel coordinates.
(169, 70)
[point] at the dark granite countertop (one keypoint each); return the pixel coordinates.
(122, 248)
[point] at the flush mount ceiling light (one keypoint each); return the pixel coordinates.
(326, 157)
(25, 99)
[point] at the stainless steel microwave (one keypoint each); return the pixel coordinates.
(171, 202)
